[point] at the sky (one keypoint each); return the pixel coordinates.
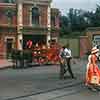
(64, 5)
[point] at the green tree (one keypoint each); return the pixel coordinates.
(96, 20)
(64, 30)
(94, 17)
(78, 20)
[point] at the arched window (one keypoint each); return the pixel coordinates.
(35, 16)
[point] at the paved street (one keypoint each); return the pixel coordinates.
(43, 83)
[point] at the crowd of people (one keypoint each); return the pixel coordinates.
(64, 55)
(44, 54)
(92, 79)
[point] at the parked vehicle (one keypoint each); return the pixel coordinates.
(46, 55)
(38, 54)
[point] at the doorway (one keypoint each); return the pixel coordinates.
(9, 47)
(34, 38)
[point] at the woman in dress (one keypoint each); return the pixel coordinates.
(92, 67)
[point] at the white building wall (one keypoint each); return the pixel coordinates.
(20, 24)
(49, 24)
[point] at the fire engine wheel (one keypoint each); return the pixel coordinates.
(43, 60)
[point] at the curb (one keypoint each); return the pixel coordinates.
(5, 67)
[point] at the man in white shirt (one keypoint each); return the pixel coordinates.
(68, 57)
(62, 65)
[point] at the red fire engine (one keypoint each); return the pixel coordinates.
(42, 54)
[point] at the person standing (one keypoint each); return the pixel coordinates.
(29, 44)
(92, 68)
(68, 56)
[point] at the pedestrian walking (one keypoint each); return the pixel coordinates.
(62, 63)
(92, 70)
(68, 57)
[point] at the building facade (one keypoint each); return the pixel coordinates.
(22, 20)
(91, 39)
(93, 34)
(55, 23)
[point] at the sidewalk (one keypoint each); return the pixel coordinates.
(4, 63)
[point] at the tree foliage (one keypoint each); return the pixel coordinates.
(78, 20)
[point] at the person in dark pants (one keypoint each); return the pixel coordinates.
(62, 64)
(68, 57)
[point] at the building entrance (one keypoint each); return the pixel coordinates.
(40, 39)
(9, 46)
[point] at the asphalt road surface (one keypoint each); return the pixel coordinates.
(43, 83)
